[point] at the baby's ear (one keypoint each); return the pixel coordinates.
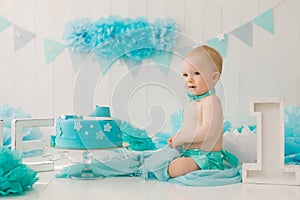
(215, 77)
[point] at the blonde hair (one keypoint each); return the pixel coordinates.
(213, 54)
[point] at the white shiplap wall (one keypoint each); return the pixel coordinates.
(269, 69)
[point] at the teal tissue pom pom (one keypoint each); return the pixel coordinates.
(15, 177)
(226, 126)
(119, 37)
(79, 35)
(164, 34)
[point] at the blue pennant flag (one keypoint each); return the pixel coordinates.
(244, 33)
(219, 43)
(4, 23)
(22, 37)
(52, 49)
(77, 59)
(104, 64)
(133, 67)
(265, 21)
(163, 61)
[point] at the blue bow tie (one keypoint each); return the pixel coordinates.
(197, 97)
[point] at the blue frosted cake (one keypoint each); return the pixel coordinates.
(98, 131)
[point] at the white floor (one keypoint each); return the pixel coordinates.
(49, 187)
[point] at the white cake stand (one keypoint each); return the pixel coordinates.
(87, 172)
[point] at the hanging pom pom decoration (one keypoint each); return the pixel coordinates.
(164, 34)
(117, 37)
(79, 35)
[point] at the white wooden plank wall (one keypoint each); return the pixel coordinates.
(269, 69)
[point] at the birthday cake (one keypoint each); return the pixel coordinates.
(98, 131)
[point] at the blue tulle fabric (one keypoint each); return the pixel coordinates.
(292, 135)
(206, 178)
(118, 165)
(15, 177)
(156, 167)
(153, 165)
(118, 37)
(8, 113)
(137, 139)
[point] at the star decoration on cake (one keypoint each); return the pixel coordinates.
(221, 37)
(92, 126)
(99, 135)
(107, 127)
(77, 125)
(86, 133)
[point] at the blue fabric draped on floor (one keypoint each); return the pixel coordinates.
(210, 177)
(153, 165)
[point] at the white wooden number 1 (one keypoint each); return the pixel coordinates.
(270, 168)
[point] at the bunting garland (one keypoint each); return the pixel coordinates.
(265, 21)
(77, 59)
(163, 60)
(244, 32)
(219, 43)
(22, 37)
(133, 67)
(4, 23)
(52, 49)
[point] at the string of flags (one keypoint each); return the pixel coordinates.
(53, 48)
(244, 32)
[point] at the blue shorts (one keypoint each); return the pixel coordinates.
(211, 159)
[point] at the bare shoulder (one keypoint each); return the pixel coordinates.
(212, 100)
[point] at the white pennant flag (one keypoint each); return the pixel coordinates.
(22, 37)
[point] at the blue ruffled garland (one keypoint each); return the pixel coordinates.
(118, 37)
(15, 177)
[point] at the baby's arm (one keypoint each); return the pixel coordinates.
(199, 130)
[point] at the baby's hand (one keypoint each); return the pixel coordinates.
(170, 140)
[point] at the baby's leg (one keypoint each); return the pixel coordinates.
(181, 166)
